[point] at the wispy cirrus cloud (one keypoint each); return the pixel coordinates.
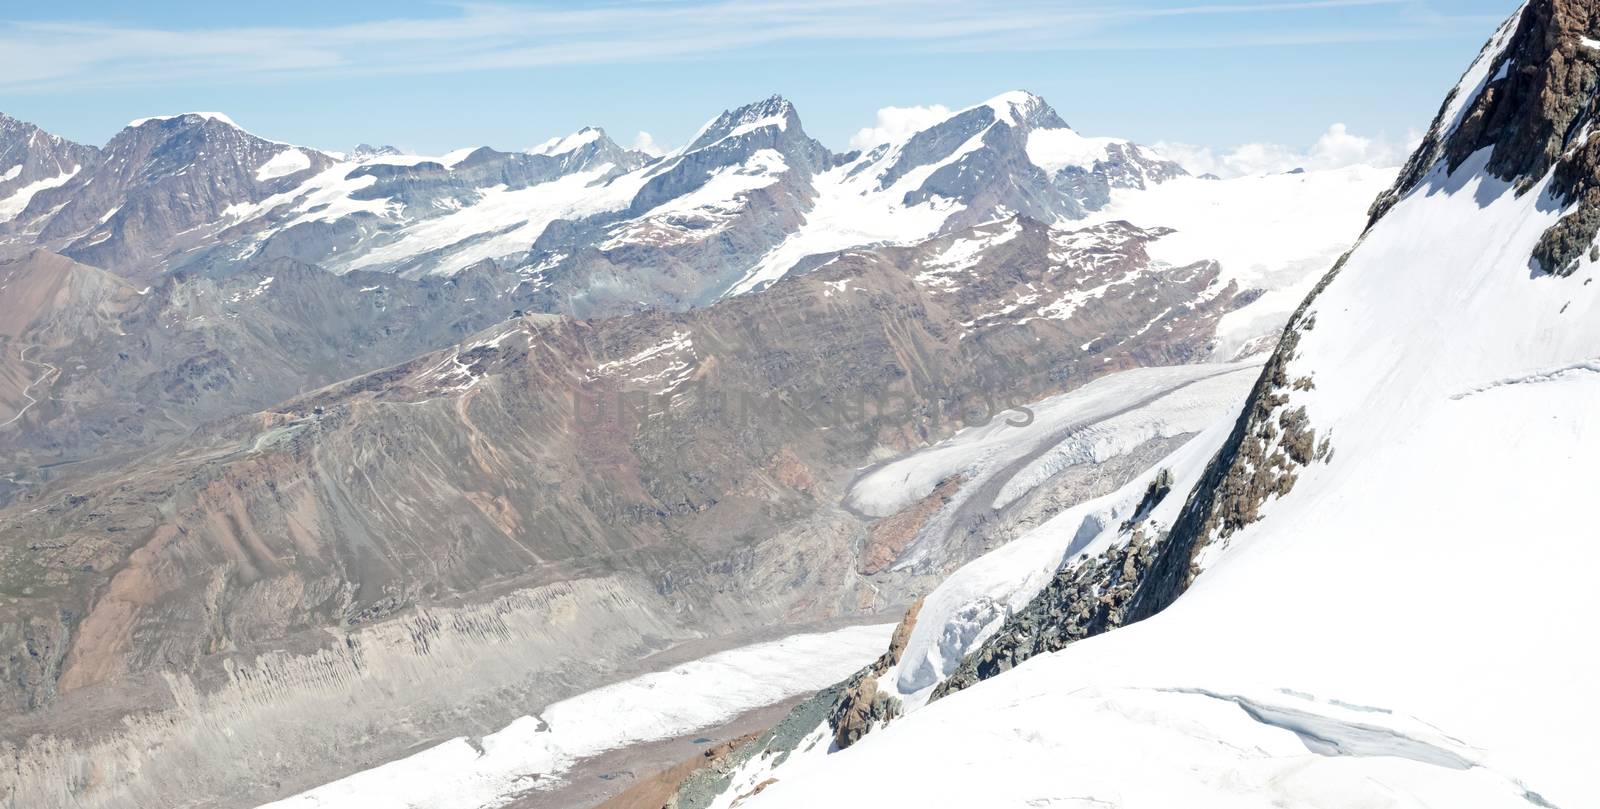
(488, 36)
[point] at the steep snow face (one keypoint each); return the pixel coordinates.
(851, 209)
(705, 211)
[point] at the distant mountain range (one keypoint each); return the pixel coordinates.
(593, 227)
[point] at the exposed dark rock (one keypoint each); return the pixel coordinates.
(1156, 492)
(29, 155)
(1536, 111)
(1087, 597)
(860, 706)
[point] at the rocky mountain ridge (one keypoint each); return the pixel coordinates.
(32, 160)
(594, 228)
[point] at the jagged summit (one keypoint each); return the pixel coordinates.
(1529, 98)
(576, 140)
(1020, 108)
(156, 184)
(774, 111)
(33, 160)
(367, 150)
(184, 117)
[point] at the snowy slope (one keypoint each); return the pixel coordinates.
(1403, 623)
(704, 212)
(1277, 232)
(502, 221)
(953, 621)
(874, 199)
(533, 751)
(445, 212)
(18, 200)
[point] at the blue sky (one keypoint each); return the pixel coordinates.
(431, 76)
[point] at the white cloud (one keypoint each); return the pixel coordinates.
(42, 56)
(645, 142)
(1336, 148)
(895, 123)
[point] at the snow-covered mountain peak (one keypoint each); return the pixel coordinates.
(364, 151)
(157, 182)
(774, 111)
(564, 144)
(200, 134)
(176, 145)
(1007, 156)
(203, 116)
(1022, 109)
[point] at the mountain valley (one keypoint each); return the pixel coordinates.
(377, 479)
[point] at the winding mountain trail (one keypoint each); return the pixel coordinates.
(49, 371)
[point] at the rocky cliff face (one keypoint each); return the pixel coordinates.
(159, 188)
(1529, 98)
